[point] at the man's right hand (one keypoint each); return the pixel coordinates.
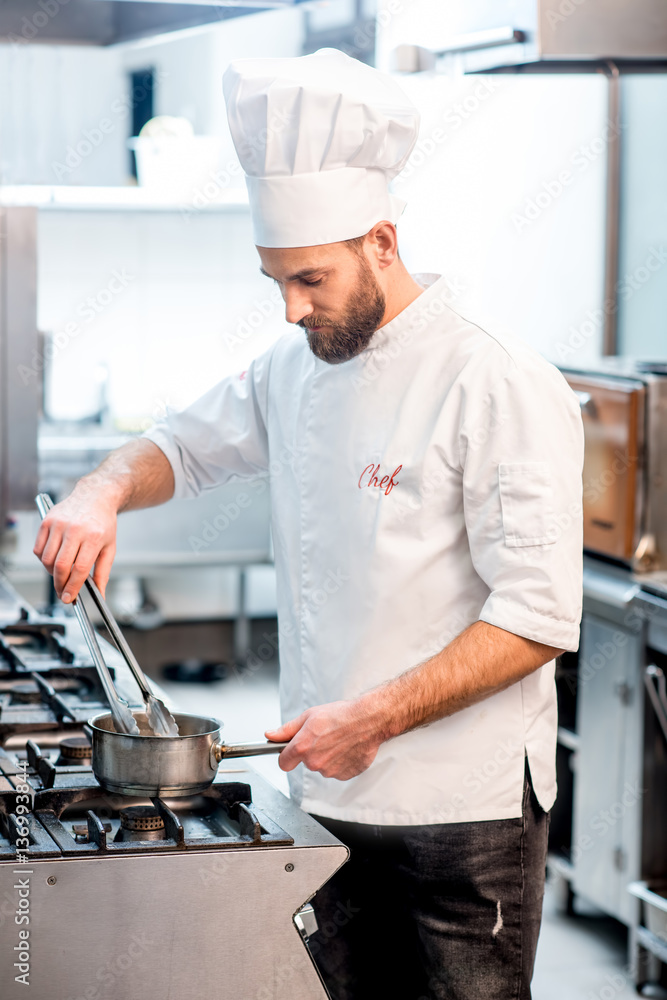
(77, 534)
(80, 532)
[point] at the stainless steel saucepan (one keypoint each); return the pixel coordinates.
(172, 766)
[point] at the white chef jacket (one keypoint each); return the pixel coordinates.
(432, 481)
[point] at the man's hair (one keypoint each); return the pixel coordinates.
(356, 245)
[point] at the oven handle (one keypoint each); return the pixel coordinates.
(654, 679)
(586, 402)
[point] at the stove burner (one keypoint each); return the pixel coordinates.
(141, 823)
(75, 750)
(25, 693)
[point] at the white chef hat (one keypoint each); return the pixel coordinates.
(319, 138)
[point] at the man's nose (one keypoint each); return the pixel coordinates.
(297, 304)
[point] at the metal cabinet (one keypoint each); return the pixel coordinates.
(608, 792)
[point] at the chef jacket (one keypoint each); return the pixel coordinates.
(431, 481)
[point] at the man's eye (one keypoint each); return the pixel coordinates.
(316, 282)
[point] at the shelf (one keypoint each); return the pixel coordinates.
(568, 739)
(652, 943)
(105, 199)
(561, 866)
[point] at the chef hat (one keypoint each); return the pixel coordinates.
(319, 138)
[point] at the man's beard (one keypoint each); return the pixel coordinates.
(353, 332)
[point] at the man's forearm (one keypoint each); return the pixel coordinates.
(136, 475)
(341, 739)
(481, 661)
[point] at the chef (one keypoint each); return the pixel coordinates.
(426, 513)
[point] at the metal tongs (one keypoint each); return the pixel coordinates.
(158, 716)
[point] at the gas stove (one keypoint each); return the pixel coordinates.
(104, 897)
(56, 700)
(107, 897)
(71, 815)
(48, 684)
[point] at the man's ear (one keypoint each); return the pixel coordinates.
(383, 243)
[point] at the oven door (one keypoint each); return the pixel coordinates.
(613, 411)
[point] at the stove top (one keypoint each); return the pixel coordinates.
(58, 699)
(72, 816)
(47, 679)
(32, 645)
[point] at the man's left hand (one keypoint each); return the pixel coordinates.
(338, 740)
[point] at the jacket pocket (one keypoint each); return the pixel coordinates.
(526, 499)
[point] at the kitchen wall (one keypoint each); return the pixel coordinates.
(55, 96)
(642, 324)
(163, 303)
(505, 191)
(148, 307)
(52, 96)
(506, 194)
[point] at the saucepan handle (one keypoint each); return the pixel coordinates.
(219, 751)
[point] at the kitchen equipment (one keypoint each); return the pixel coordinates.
(160, 719)
(655, 896)
(123, 718)
(174, 766)
(49, 687)
(189, 897)
(624, 410)
(113, 22)
(656, 688)
(536, 34)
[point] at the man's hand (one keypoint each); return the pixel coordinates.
(80, 532)
(340, 740)
(76, 535)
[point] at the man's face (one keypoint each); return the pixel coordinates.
(331, 292)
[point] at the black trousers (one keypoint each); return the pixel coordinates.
(442, 912)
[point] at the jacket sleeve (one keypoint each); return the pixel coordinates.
(222, 436)
(522, 456)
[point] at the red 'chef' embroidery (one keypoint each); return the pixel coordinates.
(387, 483)
(243, 375)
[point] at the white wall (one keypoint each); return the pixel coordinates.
(54, 97)
(193, 306)
(487, 204)
(642, 330)
(189, 307)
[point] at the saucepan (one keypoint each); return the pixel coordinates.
(172, 766)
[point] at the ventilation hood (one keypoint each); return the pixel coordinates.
(541, 35)
(108, 22)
